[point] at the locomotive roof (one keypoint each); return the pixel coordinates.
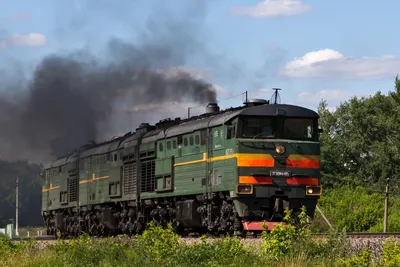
(227, 115)
(190, 125)
(102, 148)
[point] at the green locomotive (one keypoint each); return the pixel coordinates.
(221, 172)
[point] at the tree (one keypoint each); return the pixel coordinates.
(396, 94)
(361, 140)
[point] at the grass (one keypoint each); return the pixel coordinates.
(284, 246)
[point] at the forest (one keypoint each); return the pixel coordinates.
(359, 152)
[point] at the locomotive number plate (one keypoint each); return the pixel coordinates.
(280, 173)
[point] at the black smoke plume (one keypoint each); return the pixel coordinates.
(73, 98)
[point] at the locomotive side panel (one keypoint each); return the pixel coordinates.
(190, 164)
(113, 178)
(222, 160)
(99, 180)
(56, 180)
(164, 171)
(45, 194)
(84, 180)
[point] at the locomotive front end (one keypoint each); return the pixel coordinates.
(278, 166)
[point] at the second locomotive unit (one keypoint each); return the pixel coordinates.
(220, 172)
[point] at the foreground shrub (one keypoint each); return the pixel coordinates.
(226, 252)
(8, 249)
(356, 209)
(363, 259)
(286, 245)
(155, 246)
(85, 251)
(391, 253)
(292, 240)
(284, 237)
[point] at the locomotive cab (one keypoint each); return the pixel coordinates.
(278, 165)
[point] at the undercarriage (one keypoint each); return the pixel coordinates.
(217, 214)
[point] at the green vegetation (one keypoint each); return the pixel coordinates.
(355, 209)
(284, 246)
(361, 141)
(360, 149)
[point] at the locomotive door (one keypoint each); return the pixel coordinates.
(45, 190)
(210, 167)
(88, 177)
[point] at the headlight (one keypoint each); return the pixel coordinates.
(280, 149)
(313, 190)
(244, 189)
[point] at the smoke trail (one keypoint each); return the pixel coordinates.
(72, 97)
(69, 99)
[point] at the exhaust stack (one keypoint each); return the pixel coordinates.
(212, 108)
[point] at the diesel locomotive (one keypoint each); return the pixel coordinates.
(225, 171)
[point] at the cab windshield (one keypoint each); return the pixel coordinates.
(298, 129)
(278, 127)
(258, 127)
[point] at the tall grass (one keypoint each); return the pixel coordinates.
(284, 246)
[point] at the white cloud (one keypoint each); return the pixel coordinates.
(27, 40)
(331, 96)
(328, 63)
(261, 93)
(274, 8)
(16, 17)
(332, 109)
(30, 39)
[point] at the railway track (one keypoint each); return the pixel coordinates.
(366, 235)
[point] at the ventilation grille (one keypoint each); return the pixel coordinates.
(73, 188)
(148, 177)
(130, 179)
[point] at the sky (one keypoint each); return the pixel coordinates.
(311, 49)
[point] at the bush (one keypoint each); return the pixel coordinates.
(280, 240)
(355, 209)
(352, 208)
(156, 246)
(226, 252)
(287, 241)
(391, 253)
(363, 259)
(85, 251)
(285, 245)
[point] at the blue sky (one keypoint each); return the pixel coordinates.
(312, 49)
